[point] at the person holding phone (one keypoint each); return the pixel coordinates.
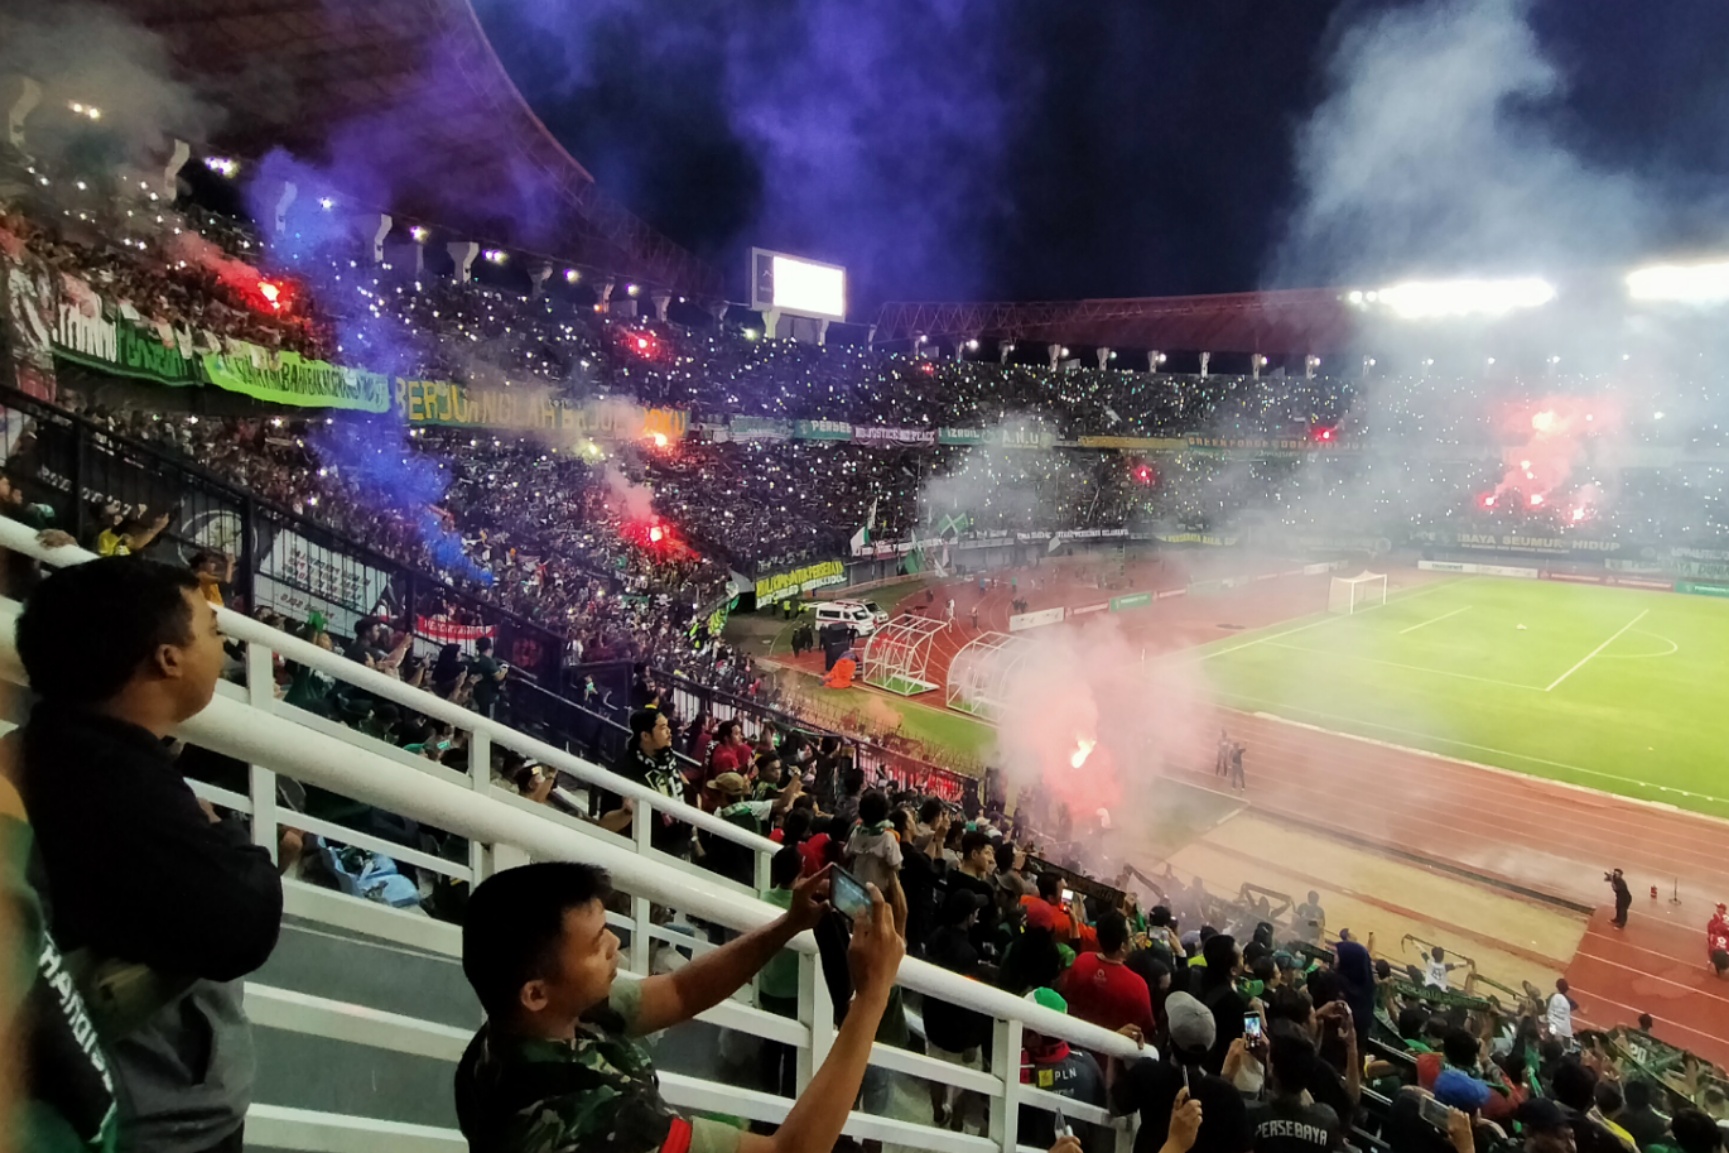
(1161, 1088)
(558, 1063)
(1284, 1123)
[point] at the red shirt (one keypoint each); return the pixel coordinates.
(1107, 993)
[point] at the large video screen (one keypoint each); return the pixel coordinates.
(795, 285)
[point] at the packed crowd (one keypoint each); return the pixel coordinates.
(1269, 1031)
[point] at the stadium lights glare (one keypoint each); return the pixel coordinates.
(326, 203)
(1706, 283)
(1436, 299)
(222, 166)
(571, 276)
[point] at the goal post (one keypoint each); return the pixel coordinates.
(1354, 594)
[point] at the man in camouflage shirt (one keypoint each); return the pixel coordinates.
(557, 1069)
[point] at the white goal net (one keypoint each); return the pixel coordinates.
(1354, 594)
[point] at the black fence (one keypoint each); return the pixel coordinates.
(86, 480)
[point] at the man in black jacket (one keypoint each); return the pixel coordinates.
(157, 902)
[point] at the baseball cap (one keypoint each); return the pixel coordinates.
(1460, 1090)
(1047, 998)
(731, 784)
(1191, 1023)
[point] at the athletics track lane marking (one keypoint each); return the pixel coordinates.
(1433, 620)
(1596, 650)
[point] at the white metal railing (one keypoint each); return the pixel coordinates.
(250, 724)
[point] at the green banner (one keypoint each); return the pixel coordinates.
(960, 436)
(1703, 590)
(779, 586)
(122, 348)
(288, 378)
(85, 333)
(1131, 601)
(759, 428)
(821, 430)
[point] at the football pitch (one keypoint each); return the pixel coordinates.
(1616, 689)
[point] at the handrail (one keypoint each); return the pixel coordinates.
(265, 734)
(20, 538)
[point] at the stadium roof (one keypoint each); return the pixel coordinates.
(1289, 322)
(414, 87)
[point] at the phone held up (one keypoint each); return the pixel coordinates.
(847, 893)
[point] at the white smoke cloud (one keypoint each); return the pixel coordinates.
(1430, 152)
(1083, 694)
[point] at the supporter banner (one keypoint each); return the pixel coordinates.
(288, 378)
(1087, 610)
(870, 434)
(1134, 443)
(1261, 444)
(759, 428)
(779, 586)
(960, 436)
(120, 347)
(448, 632)
(1206, 538)
(443, 403)
(27, 296)
(322, 573)
(821, 430)
(1515, 542)
(1131, 601)
(1020, 622)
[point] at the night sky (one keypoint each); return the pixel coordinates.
(1029, 149)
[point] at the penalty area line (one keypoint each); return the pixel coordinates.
(1433, 620)
(1587, 657)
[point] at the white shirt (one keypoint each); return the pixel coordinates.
(1560, 1016)
(1435, 973)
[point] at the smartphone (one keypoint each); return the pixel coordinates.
(1062, 1125)
(847, 893)
(1434, 1113)
(1251, 1027)
(1068, 896)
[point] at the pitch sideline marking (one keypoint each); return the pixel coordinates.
(1582, 661)
(1329, 618)
(1433, 620)
(1412, 668)
(1527, 777)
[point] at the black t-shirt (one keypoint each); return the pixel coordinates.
(1286, 1125)
(1228, 1007)
(486, 685)
(1149, 1087)
(950, 1026)
(984, 934)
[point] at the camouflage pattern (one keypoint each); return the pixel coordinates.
(596, 1092)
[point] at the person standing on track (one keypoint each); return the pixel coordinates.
(1237, 780)
(1623, 897)
(951, 612)
(1717, 940)
(1222, 764)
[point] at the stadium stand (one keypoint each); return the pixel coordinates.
(457, 652)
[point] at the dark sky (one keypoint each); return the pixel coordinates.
(1032, 149)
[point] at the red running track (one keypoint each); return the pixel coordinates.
(1543, 836)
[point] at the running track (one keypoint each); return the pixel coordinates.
(1538, 835)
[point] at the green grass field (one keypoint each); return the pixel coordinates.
(1616, 689)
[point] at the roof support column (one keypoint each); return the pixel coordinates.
(1206, 358)
(537, 278)
(1102, 355)
(463, 252)
(22, 95)
(662, 300)
(381, 224)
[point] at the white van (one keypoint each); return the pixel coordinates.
(854, 614)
